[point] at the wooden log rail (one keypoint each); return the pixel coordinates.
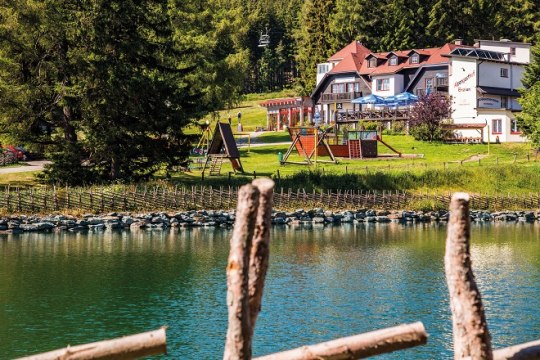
(358, 346)
(472, 340)
(124, 348)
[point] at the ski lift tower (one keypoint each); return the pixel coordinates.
(264, 40)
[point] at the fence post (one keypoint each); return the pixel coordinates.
(55, 196)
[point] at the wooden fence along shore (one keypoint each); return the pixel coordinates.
(246, 272)
(166, 198)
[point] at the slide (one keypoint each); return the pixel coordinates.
(388, 146)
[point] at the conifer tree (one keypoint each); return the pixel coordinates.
(518, 20)
(312, 40)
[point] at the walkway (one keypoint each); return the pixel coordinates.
(30, 166)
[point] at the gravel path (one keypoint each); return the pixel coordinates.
(30, 166)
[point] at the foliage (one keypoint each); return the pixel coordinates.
(528, 119)
(428, 115)
(113, 83)
(313, 44)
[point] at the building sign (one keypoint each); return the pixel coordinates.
(489, 102)
(339, 106)
(458, 84)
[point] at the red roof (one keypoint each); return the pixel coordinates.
(354, 47)
(432, 56)
(297, 101)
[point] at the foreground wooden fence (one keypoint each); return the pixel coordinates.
(139, 198)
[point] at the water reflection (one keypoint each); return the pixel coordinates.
(323, 283)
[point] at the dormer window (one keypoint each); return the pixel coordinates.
(415, 59)
(393, 61)
(372, 62)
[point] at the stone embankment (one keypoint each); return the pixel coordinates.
(92, 222)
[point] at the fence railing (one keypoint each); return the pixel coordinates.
(169, 198)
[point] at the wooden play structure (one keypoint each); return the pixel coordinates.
(304, 140)
(223, 146)
(352, 144)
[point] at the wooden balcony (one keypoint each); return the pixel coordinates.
(441, 82)
(340, 97)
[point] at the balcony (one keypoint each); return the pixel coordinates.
(441, 82)
(340, 97)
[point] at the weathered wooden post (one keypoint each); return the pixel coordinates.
(471, 335)
(238, 342)
(247, 265)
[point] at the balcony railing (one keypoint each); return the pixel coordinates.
(348, 96)
(441, 82)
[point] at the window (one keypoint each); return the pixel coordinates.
(496, 126)
(415, 59)
(383, 84)
(393, 60)
(504, 72)
(504, 102)
(372, 62)
(429, 83)
(338, 88)
(513, 51)
(322, 68)
(357, 87)
(514, 128)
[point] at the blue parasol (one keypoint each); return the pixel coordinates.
(369, 99)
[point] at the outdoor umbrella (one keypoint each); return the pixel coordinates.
(369, 99)
(406, 96)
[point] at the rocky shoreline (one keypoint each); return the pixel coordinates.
(225, 219)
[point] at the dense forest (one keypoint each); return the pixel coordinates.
(113, 83)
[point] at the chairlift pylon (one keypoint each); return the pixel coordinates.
(264, 40)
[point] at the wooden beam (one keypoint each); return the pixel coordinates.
(238, 342)
(470, 332)
(358, 346)
(525, 351)
(260, 248)
(128, 347)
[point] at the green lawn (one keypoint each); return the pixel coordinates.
(442, 167)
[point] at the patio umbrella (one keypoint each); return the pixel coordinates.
(369, 99)
(406, 96)
(392, 99)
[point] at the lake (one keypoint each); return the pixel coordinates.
(323, 283)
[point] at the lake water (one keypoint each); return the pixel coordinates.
(323, 283)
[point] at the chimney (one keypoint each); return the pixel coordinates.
(458, 41)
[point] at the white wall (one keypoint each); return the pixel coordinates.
(396, 82)
(462, 89)
(490, 74)
(523, 53)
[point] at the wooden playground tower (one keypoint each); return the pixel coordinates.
(223, 146)
(311, 142)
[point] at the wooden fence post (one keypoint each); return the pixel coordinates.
(470, 332)
(238, 342)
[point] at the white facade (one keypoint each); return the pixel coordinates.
(484, 90)
(387, 85)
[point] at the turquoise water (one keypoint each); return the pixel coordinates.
(323, 283)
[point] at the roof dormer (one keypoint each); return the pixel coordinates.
(417, 56)
(373, 60)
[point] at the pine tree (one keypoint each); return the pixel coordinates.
(312, 40)
(531, 76)
(518, 20)
(528, 117)
(457, 19)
